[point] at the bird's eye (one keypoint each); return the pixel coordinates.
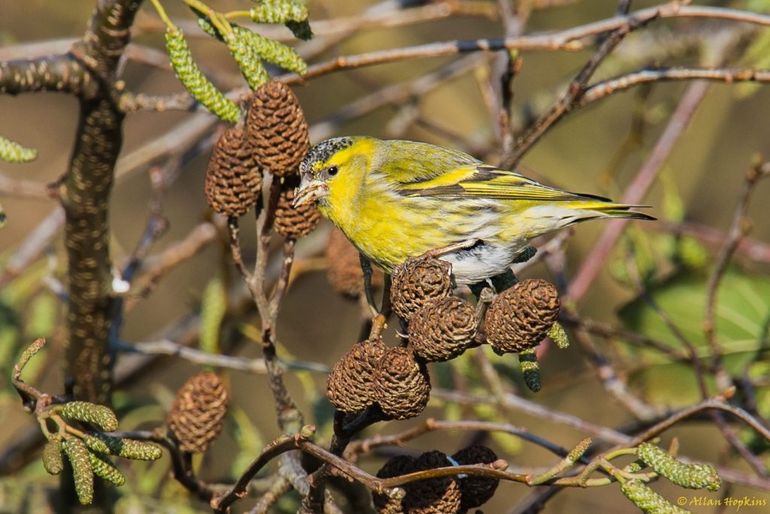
(332, 171)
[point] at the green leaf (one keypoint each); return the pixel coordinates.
(247, 439)
(213, 309)
(742, 315)
(41, 316)
(742, 310)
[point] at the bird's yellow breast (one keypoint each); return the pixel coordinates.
(385, 226)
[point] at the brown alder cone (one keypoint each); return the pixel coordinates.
(344, 266)
(350, 386)
(197, 415)
(290, 221)
(432, 495)
(233, 179)
(418, 282)
(401, 384)
(276, 128)
(443, 329)
(476, 490)
(394, 467)
(519, 318)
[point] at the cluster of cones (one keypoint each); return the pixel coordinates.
(440, 327)
(274, 139)
(444, 495)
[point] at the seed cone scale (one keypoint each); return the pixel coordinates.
(290, 221)
(520, 317)
(418, 282)
(276, 128)
(350, 386)
(433, 495)
(233, 181)
(476, 490)
(395, 466)
(344, 266)
(402, 384)
(197, 415)
(443, 329)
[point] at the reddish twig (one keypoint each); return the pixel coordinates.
(680, 119)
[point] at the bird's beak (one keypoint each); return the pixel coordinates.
(309, 191)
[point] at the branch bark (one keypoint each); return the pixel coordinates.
(86, 198)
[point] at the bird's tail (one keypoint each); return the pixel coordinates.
(600, 207)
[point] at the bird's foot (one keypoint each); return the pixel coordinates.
(462, 245)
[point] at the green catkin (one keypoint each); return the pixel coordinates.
(98, 415)
(77, 453)
(29, 352)
(272, 51)
(129, 448)
(96, 444)
(52, 457)
(647, 499)
(692, 476)
(195, 81)
(265, 48)
(577, 452)
(278, 11)
(247, 59)
(205, 24)
(558, 335)
(11, 151)
(106, 470)
(530, 369)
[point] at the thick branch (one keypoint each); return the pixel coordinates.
(60, 73)
(86, 200)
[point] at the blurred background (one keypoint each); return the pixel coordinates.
(594, 150)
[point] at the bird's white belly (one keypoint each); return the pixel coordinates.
(481, 262)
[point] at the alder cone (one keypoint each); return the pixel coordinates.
(433, 495)
(476, 490)
(290, 221)
(197, 414)
(418, 282)
(443, 329)
(350, 386)
(394, 467)
(233, 180)
(276, 128)
(401, 384)
(520, 317)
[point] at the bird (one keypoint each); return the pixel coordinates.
(397, 199)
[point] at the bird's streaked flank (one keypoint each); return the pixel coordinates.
(401, 199)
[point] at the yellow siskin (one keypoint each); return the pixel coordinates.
(401, 199)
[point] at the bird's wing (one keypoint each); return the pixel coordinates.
(482, 181)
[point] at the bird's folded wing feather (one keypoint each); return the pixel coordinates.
(481, 181)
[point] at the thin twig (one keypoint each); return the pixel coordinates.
(568, 99)
(680, 119)
(280, 445)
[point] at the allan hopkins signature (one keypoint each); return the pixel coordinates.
(729, 501)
